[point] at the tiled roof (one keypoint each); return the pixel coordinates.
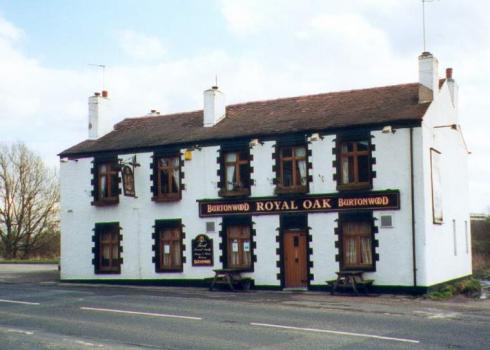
(388, 104)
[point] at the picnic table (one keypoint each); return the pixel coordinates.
(350, 279)
(229, 277)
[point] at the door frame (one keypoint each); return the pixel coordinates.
(282, 230)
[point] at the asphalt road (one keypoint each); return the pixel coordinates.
(36, 312)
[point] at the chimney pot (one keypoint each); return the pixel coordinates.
(105, 93)
(449, 73)
(97, 94)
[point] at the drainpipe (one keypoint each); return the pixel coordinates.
(414, 255)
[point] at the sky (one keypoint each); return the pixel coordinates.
(162, 55)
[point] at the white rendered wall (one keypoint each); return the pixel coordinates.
(265, 269)
(442, 263)
(322, 172)
(392, 153)
(262, 175)
(322, 231)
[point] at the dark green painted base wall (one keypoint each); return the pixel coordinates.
(204, 283)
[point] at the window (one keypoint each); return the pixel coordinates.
(169, 252)
(354, 165)
(236, 173)
(239, 247)
(107, 186)
(108, 248)
(357, 247)
(293, 175)
(168, 179)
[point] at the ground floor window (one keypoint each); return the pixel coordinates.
(239, 247)
(169, 246)
(108, 249)
(357, 244)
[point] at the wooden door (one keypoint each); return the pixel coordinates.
(295, 264)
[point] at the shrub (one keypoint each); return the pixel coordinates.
(469, 287)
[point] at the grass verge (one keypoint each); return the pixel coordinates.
(469, 287)
(29, 261)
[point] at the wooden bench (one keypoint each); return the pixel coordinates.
(350, 279)
(231, 278)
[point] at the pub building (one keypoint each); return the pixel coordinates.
(288, 191)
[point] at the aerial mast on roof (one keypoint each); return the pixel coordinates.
(102, 67)
(423, 21)
(216, 81)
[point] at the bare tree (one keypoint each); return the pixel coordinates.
(29, 197)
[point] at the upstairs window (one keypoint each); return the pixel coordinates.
(168, 187)
(107, 183)
(293, 174)
(236, 167)
(354, 165)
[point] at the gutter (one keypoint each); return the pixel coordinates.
(412, 195)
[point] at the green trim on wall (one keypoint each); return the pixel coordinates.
(205, 282)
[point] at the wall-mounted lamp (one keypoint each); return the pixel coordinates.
(315, 137)
(388, 129)
(255, 142)
(188, 154)
(452, 126)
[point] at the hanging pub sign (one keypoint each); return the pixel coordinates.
(202, 251)
(128, 181)
(379, 200)
(127, 171)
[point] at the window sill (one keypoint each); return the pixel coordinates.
(236, 193)
(359, 268)
(106, 202)
(170, 198)
(355, 187)
(242, 269)
(108, 272)
(287, 190)
(179, 270)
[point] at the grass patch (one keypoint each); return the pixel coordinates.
(469, 287)
(29, 261)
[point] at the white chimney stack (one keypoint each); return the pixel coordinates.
(96, 111)
(428, 77)
(214, 106)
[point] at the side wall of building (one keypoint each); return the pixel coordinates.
(448, 244)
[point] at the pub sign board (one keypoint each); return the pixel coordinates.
(379, 200)
(202, 251)
(128, 181)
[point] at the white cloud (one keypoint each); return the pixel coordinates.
(293, 48)
(243, 18)
(140, 46)
(8, 31)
